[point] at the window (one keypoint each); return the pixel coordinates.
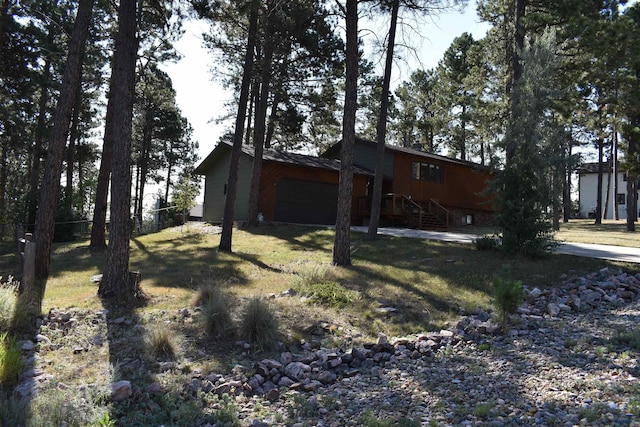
(427, 172)
(622, 198)
(624, 177)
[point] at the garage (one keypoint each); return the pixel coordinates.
(306, 202)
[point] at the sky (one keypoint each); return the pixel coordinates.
(202, 99)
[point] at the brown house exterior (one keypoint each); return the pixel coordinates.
(293, 187)
(420, 189)
(450, 191)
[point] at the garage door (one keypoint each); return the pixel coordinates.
(306, 202)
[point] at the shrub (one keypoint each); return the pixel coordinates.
(10, 361)
(215, 310)
(259, 324)
(13, 411)
(487, 243)
(7, 302)
(328, 293)
(160, 343)
(508, 295)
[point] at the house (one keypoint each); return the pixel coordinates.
(293, 187)
(420, 189)
(588, 191)
(441, 191)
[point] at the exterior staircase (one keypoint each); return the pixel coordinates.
(426, 216)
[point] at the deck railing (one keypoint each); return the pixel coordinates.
(400, 206)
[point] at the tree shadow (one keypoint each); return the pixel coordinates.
(134, 362)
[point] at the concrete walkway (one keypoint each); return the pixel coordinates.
(614, 253)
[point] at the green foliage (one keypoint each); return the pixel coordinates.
(66, 223)
(57, 410)
(8, 298)
(215, 310)
(11, 363)
(259, 324)
(627, 338)
(320, 289)
(508, 294)
(483, 410)
(487, 243)
(370, 420)
(522, 187)
(184, 194)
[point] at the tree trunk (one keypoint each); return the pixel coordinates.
(598, 213)
(381, 131)
(98, 228)
(73, 139)
(614, 168)
(259, 132)
(342, 241)
(632, 203)
(232, 180)
(41, 134)
(607, 197)
(45, 218)
(566, 184)
(116, 280)
(516, 67)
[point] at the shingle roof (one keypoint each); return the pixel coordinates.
(281, 157)
(332, 151)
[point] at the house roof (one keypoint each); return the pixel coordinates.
(279, 157)
(593, 167)
(335, 149)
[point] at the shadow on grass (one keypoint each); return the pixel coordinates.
(133, 362)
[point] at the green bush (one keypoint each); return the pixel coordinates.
(508, 295)
(328, 293)
(487, 243)
(259, 324)
(8, 298)
(10, 361)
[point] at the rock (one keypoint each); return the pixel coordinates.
(154, 388)
(120, 391)
(272, 395)
(28, 345)
(43, 339)
(327, 377)
(286, 358)
(297, 370)
(553, 309)
(382, 339)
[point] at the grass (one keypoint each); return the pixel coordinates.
(429, 283)
(610, 232)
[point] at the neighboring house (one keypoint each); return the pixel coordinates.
(420, 189)
(588, 191)
(448, 191)
(293, 187)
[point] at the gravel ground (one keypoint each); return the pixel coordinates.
(574, 368)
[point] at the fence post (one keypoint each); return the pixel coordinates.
(29, 269)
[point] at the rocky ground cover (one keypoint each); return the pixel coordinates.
(570, 357)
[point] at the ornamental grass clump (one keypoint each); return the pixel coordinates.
(259, 324)
(160, 343)
(215, 311)
(508, 295)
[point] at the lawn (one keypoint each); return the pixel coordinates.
(427, 284)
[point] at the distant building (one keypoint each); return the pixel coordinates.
(588, 191)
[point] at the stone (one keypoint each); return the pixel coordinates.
(553, 309)
(297, 370)
(327, 377)
(120, 391)
(28, 345)
(286, 358)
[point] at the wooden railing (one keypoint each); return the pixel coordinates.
(439, 211)
(400, 206)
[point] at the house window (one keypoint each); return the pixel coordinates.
(622, 198)
(624, 177)
(427, 172)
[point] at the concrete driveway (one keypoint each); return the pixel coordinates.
(614, 253)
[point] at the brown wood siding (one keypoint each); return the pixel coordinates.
(273, 172)
(461, 187)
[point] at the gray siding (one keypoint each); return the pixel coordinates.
(365, 156)
(214, 195)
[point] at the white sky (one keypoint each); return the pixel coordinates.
(202, 100)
